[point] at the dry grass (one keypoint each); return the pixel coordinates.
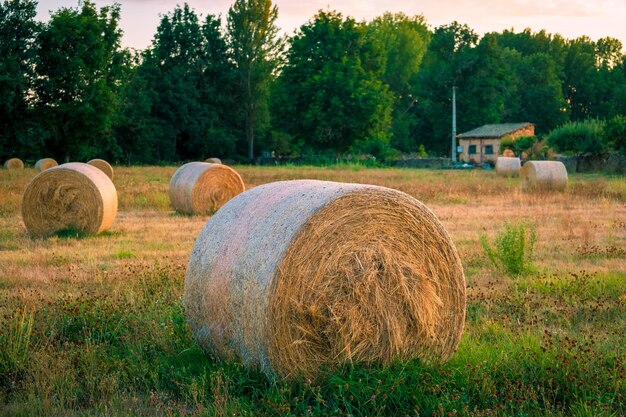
(109, 337)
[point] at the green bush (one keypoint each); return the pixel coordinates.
(512, 249)
(579, 138)
(518, 145)
(615, 131)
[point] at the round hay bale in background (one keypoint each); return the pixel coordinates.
(295, 276)
(72, 196)
(546, 175)
(508, 167)
(508, 153)
(45, 163)
(103, 166)
(14, 163)
(200, 187)
(213, 160)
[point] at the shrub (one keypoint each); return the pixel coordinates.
(512, 249)
(579, 138)
(616, 133)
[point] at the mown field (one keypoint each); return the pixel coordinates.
(95, 325)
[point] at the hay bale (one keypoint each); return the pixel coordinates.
(45, 163)
(72, 196)
(103, 166)
(294, 276)
(508, 153)
(508, 167)
(14, 163)
(213, 160)
(200, 187)
(545, 175)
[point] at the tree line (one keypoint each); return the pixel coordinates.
(234, 88)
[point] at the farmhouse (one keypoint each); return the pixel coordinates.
(483, 144)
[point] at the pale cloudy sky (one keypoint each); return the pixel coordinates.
(570, 18)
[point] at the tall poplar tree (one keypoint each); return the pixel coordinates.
(255, 47)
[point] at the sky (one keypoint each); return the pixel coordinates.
(570, 18)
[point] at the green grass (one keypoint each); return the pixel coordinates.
(132, 350)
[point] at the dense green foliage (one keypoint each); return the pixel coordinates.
(332, 74)
(234, 90)
(581, 138)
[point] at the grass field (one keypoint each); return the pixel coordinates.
(95, 325)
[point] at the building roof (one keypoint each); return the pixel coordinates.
(493, 131)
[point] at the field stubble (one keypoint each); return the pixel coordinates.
(95, 325)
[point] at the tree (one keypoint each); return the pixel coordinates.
(487, 86)
(447, 62)
(540, 96)
(404, 41)
(79, 67)
(580, 68)
(172, 68)
(255, 49)
(189, 81)
(133, 125)
(18, 31)
(329, 94)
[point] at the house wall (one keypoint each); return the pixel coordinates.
(480, 156)
(481, 143)
(526, 131)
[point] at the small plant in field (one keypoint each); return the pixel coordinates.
(15, 343)
(512, 249)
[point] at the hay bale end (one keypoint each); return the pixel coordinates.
(72, 196)
(103, 166)
(45, 163)
(14, 163)
(202, 188)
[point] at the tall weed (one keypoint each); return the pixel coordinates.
(513, 248)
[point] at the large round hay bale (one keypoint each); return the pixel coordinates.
(72, 196)
(543, 175)
(14, 163)
(508, 167)
(45, 163)
(213, 160)
(200, 187)
(103, 166)
(295, 276)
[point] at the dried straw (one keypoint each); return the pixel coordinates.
(72, 196)
(543, 175)
(200, 187)
(508, 167)
(295, 276)
(508, 153)
(14, 163)
(103, 166)
(213, 160)
(45, 163)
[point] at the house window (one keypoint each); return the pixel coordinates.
(472, 150)
(488, 149)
